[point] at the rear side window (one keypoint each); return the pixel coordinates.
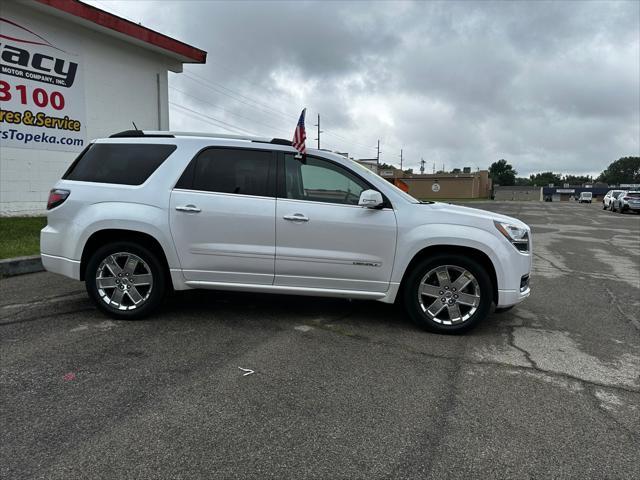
(123, 163)
(237, 171)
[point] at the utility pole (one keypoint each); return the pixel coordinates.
(400, 159)
(434, 167)
(422, 162)
(319, 131)
(378, 156)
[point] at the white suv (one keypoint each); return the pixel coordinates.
(142, 212)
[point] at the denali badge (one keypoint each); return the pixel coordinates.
(368, 264)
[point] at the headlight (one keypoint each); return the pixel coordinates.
(518, 236)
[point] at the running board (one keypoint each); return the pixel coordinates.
(315, 292)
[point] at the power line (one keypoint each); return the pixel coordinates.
(216, 86)
(218, 122)
(256, 104)
(279, 130)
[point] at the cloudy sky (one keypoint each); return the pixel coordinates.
(547, 86)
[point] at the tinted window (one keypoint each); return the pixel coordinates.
(239, 171)
(123, 163)
(318, 180)
(633, 194)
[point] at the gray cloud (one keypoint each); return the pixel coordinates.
(547, 85)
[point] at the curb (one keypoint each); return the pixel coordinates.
(10, 267)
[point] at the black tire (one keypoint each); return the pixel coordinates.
(415, 309)
(152, 294)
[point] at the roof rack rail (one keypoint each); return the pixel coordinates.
(281, 141)
(167, 134)
(140, 133)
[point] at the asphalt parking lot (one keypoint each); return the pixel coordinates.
(341, 389)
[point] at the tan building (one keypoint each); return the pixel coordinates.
(443, 185)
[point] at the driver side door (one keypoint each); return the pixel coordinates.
(323, 238)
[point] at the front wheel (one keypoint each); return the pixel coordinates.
(448, 294)
(125, 280)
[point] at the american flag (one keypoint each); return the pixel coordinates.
(300, 135)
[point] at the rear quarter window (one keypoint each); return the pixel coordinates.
(121, 163)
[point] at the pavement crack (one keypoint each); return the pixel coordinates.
(552, 263)
(591, 393)
(616, 303)
(527, 355)
(467, 361)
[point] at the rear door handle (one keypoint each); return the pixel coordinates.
(296, 217)
(188, 208)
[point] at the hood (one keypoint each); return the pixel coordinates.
(456, 210)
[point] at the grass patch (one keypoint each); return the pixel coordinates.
(20, 236)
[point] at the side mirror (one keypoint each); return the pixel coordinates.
(370, 199)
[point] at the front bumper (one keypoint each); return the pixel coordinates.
(507, 298)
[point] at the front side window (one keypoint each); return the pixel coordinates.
(237, 171)
(318, 180)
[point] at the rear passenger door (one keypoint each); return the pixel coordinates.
(222, 216)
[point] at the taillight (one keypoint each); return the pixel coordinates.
(57, 197)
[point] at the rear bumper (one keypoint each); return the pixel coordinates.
(63, 266)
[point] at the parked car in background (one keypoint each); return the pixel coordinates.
(627, 201)
(609, 198)
(141, 213)
(585, 197)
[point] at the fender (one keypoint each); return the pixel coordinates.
(411, 242)
(125, 216)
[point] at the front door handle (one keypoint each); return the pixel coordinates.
(188, 208)
(296, 217)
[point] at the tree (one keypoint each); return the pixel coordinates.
(545, 178)
(386, 166)
(522, 181)
(577, 179)
(623, 170)
(502, 173)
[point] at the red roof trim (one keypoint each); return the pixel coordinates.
(126, 27)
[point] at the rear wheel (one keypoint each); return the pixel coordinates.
(125, 280)
(448, 294)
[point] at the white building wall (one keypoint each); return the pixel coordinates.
(121, 86)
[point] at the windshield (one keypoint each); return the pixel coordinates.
(617, 194)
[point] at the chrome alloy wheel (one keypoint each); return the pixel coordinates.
(124, 281)
(449, 295)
